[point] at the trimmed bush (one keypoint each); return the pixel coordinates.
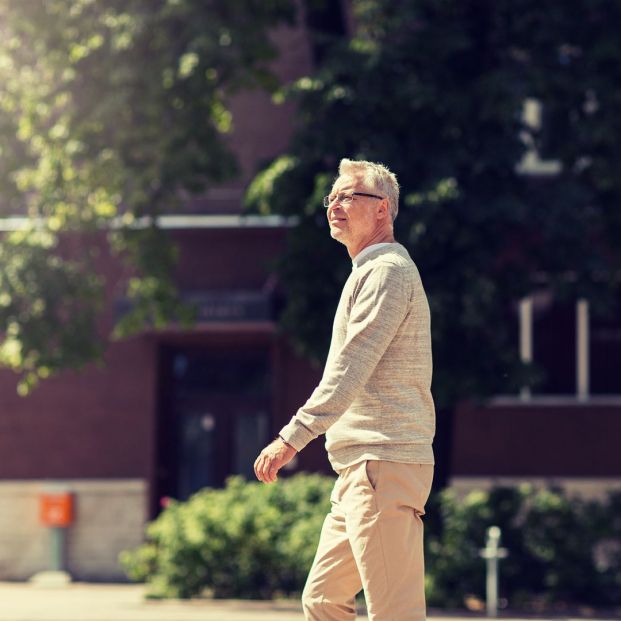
(247, 540)
(251, 540)
(562, 551)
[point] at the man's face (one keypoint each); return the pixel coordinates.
(354, 222)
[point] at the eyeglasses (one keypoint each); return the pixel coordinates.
(346, 199)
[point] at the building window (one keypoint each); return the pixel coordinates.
(215, 414)
(605, 351)
(577, 352)
(532, 162)
(577, 349)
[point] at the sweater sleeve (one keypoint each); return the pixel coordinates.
(379, 307)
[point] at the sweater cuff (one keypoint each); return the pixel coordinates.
(296, 434)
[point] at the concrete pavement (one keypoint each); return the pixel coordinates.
(125, 602)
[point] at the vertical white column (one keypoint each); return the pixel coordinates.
(582, 349)
(526, 338)
(531, 163)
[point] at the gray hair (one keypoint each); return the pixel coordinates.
(375, 177)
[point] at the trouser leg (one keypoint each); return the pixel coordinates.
(383, 503)
(333, 581)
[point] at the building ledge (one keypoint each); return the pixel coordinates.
(217, 327)
(176, 222)
(554, 401)
(588, 488)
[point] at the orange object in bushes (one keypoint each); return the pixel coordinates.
(56, 509)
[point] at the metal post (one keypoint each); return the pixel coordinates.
(56, 512)
(57, 548)
(492, 553)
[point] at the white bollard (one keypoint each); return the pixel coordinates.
(492, 553)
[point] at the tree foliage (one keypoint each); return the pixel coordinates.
(436, 91)
(110, 112)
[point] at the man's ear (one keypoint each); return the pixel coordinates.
(383, 210)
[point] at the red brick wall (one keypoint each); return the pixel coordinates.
(261, 128)
(227, 259)
(538, 440)
(101, 422)
(92, 424)
(298, 382)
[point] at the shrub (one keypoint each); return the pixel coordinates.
(562, 551)
(247, 540)
(251, 540)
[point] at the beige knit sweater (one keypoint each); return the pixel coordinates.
(374, 399)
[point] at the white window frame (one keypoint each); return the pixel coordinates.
(531, 163)
(582, 345)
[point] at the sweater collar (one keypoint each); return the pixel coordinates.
(361, 257)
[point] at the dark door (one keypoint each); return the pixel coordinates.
(215, 411)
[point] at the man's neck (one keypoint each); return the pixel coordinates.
(385, 237)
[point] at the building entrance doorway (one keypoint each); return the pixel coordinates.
(215, 413)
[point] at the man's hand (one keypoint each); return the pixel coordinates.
(272, 458)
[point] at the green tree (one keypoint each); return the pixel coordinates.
(110, 112)
(435, 90)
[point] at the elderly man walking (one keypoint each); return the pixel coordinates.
(375, 406)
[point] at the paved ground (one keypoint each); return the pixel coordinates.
(87, 602)
(114, 602)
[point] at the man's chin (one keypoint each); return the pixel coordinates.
(337, 234)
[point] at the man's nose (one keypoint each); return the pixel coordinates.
(332, 208)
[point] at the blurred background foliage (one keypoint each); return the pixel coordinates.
(110, 112)
(258, 541)
(436, 90)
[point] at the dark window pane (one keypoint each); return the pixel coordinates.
(605, 351)
(217, 415)
(222, 372)
(554, 347)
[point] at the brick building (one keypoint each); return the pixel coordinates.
(174, 410)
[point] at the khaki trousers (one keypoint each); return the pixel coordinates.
(372, 539)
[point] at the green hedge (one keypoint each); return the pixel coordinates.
(251, 540)
(562, 550)
(248, 540)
